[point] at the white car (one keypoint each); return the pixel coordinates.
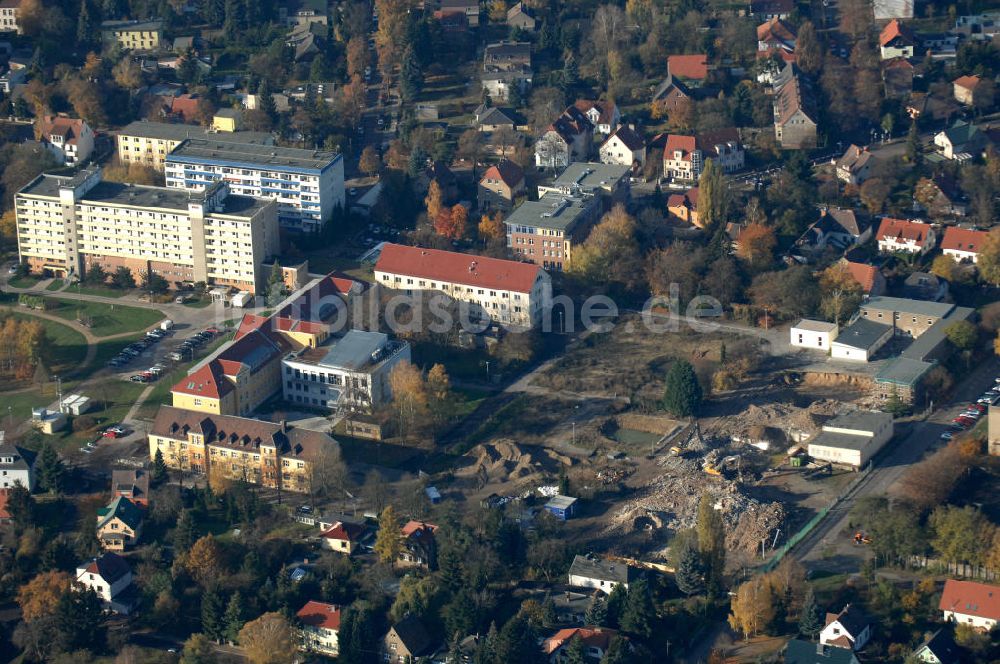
(947, 435)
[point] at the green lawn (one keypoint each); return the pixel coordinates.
(25, 282)
(106, 319)
(198, 301)
(55, 285)
(99, 291)
(68, 347)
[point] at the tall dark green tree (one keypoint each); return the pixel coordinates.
(683, 394)
(85, 31)
(597, 612)
(59, 555)
(616, 605)
(518, 642)
(187, 70)
(810, 620)
(21, 506)
(570, 72)
(639, 614)
(186, 531)
(617, 652)
(213, 11)
(158, 473)
(411, 80)
(711, 544)
(357, 632)
(213, 609)
(266, 100)
(913, 152)
(234, 618)
(50, 470)
(79, 623)
(690, 575)
(576, 652)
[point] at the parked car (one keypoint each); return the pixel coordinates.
(947, 435)
(139, 378)
(176, 357)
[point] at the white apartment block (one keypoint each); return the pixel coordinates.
(307, 184)
(508, 292)
(149, 143)
(351, 371)
(66, 224)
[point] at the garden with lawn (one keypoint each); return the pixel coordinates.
(102, 319)
(67, 347)
(55, 284)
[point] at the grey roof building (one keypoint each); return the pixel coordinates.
(805, 652)
(592, 572)
(16, 466)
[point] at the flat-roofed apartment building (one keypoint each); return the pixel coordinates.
(545, 231)
(65, 224)
(909, 318)
(271, 454)
(149, 143)
(515, 294)
(349, 371)
(133, 35)
(307, 184)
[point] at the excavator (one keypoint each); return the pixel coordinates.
(861, 538)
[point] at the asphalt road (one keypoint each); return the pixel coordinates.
(814, 551)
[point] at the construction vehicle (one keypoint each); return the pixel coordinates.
(724, 465)
(861, 538)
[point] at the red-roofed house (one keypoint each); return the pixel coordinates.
(71, 140)
(776, 35)
(504, 291)
(689, 67)
(595, 640)
(871, 279)
(962, 244)
(320, 626)
(684, 156)
(566, 140)
(896, 41)
(685, 206)
(419, 547)
(971, 603)
(966, 89)
(604, 115)
(500, 186)
(184, 108)
(912, 237)
(342, 537)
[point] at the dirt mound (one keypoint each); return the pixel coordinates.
(505, 460)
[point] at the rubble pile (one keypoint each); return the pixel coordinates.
(672, 503)
(506, 460)
(784, 416)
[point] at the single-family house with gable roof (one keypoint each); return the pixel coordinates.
(851, 628)
(110, 577)
(119, 525)
(320, 628)
(592, 572)
(971, 603)
(912, 237)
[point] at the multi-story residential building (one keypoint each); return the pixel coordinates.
(246, 372)
(16, 467)
(307, 184)
(133, 35)
(896, 41)
(566, 140)
(70, 139)
(967, 89)
(274, 455)
(855, 165)
(911, 237)
(108, 575)
(795, 115)
(149, 143)
(547, 231)
(351, 371)
(9, 12)
(320, 625)
(625, 147)
(506, 65)
(684, 157)
(909, 318)
(963, 244)
(609, 182)
(500, 186)
(66, 224)
(776, 35)
(119, 525)
(508, 292)
(419, 545)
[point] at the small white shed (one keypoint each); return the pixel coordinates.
(815, 334)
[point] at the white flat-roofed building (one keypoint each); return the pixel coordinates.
(307, 184)
(351, 371)
(851, 439)
(860, 340)
(66, 224)
(149, 143)
(815, 334)
(507, 292)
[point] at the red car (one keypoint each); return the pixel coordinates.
(977, 406)
(114, 432)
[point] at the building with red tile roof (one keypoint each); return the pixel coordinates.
(904, 235)
(685, 206)
(684, 157)
(602, 114)
(595, 639)
(501, 185)
(70, 139)
(776, 34)
(965, 88)
(963, 244)
(690, 67)
(342, 537)
(184, 108)
(419, 545)
(971, 603)
(320, 627)
(871, 279)
(507, 292)
(896, 41)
